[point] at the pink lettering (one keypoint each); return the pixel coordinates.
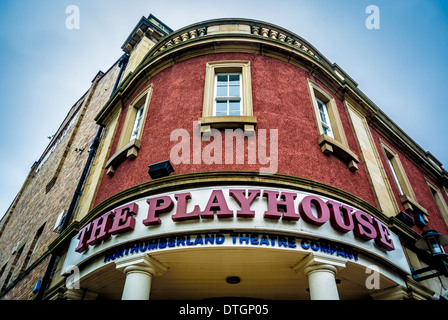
(306, 212)
(217, 202)
(244, 203)
(124, 220)
(286, 204)
(157, 206)
(364, 228)
(100, 228)
(341, 216)
(181, 210)
(383, 238)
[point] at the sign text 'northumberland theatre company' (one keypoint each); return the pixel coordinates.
(235, 239)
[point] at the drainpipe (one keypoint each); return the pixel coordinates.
(78, 192)
(93, 148)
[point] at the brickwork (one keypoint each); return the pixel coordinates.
(34, 207)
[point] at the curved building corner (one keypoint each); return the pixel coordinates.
(235, 160)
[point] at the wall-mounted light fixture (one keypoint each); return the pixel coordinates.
(433, 242)
(405, 218)
(160, 169)
(233, 280)
(419, 221)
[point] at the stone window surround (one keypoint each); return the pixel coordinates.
(408, 199)
(129, 148)
(246, 120)
(339, 144)
(440, 202)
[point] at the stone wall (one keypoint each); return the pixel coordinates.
(47, 193)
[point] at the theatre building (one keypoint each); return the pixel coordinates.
(230, 158)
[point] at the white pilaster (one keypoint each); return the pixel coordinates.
(320, 272)
(139, 273)
(322, 282)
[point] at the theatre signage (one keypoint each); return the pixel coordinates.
(237, 208)
(234, 240)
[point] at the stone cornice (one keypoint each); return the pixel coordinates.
(219, 43)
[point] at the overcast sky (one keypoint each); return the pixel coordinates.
(46, 67)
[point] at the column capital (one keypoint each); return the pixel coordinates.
(315, 262)
(145, 263)
(320, 271)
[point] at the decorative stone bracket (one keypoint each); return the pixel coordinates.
(331, 146)
(130, 150)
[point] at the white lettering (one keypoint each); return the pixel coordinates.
(183, 147)
(212, 153)
(373, 281)
(196, 310)
(373, 21)
(73, 20)
(72, 280)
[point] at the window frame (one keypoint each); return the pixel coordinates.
(141, 101)
(33, 247)
(403, 186)
(12, 269)
(336, 143)
(439, 200)
(397, 171)
(137, 123)
(246, 119)
(326, 125)
(228, 98)
(128, 145)
(395, 175)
